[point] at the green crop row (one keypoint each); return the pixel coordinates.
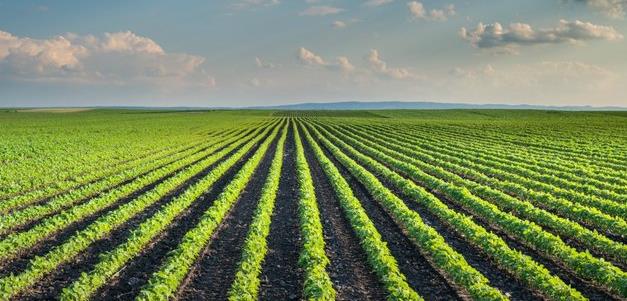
(536, 151)
(246, 283)
(522, 266)
(610, 220)
(379, 256)
(313, 259)
(585, 184)
(582, 263)
(614, 206)
(60, 202)
(97, 180)
(14, 243)
(428, 240)
(165, 282)
(113, 261)
(40, 266)
(565, 227)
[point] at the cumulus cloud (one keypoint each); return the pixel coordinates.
(119, 57)
(611, 8)
(377, 2)
(309, 58)
(418, 11)
(321, 11)
(520, 34)
(380, 67)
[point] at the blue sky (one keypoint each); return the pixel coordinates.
(253, 52)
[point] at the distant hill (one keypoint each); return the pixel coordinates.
(400, 105)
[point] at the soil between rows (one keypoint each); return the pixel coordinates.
(352, 277)
(21, 262)
(572, 242)
(588, 289)
(474, 256)
(137, 272)
(79, 186)
(33, 223)
(212, 275)
(281, 276)
(420, 274)
(50, 286)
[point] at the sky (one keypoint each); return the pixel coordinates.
(268, 52)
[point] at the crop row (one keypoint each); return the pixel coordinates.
(564, 227)
(609, 202)
(165, 282)
(90, 184)
(246, 283)
(583, 264)
(497, 153)
(31, 213)
(538, 151)
(111, 262)
(313, 259)
(570, 207)
(40, 266)
(521, 266)
(428, 240)
(379, 256)
(19, 241)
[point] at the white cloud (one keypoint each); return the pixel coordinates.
(377, 64)
(321, 11)
(418, 11)
(611, 8)
(309, 58)
(339, 24)
(520, 34)
(120, 58)
(344, 64)
(373, 3)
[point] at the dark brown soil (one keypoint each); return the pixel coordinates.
(474, 256)
(137, 272)
(572, 242)
(33, 223)
(212, 275)
(421, 276)
(51, 285)
(587, 289)
(20, 263)
(349, 270)
(48, 198)
(281, 276)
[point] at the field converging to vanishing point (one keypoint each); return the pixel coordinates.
(316, 205)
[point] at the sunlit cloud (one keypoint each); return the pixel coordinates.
(418, 11)
(121, 58)
(380, 67)
(496, 36)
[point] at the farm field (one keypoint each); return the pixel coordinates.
(318, 205)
